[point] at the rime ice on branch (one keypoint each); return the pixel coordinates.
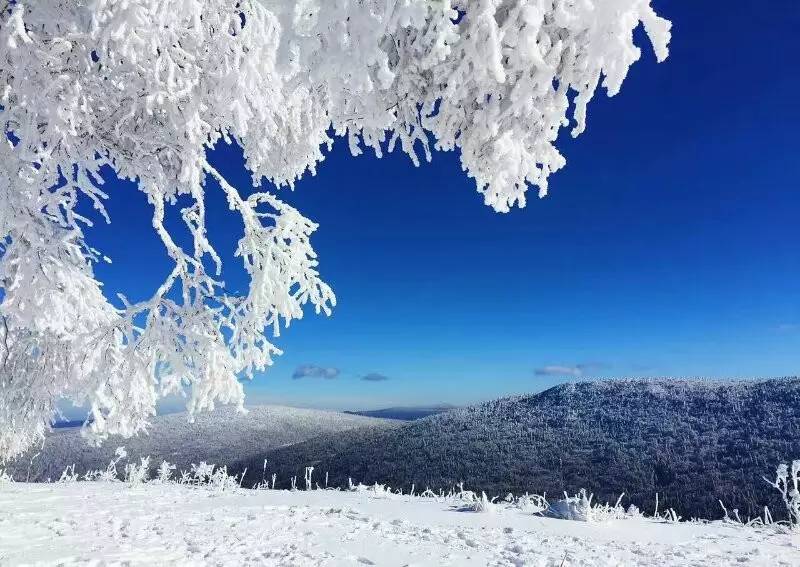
(148, 86)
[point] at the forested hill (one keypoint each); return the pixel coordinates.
(692, 442)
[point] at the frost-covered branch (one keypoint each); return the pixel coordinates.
(787, 483)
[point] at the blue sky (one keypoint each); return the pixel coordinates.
(668, 245)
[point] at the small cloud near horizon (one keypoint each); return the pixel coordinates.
(314, 371)
(374, 377)
(577, 370)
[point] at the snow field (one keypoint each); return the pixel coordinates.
(104, 523)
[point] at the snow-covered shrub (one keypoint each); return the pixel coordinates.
(110, 473)
(581, 508)
(208, 475)
(264, 484)
(201, 473)
(530, 503)
(484, 504)
(378, 490)
(464, 495)
(733, 517)
(375, 490)
(4, 476)
(607, 511)
(68, 475)
(222, 481)
(787, 483)
(578, 507)
(633, 511)
(164, 472)
(728, 517)
(427, 493)
(670, 515)
(138, 473)
(469, 500)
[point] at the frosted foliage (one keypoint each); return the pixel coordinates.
(146, 87)
(787, 483)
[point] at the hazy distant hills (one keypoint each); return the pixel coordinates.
(219, 437)
(693, 442)
(405, 413)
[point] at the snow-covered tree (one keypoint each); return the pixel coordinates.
(787, 483)
(147, 87)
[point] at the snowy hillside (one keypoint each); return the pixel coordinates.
(95, 522)
(691, 442)
(221, 436)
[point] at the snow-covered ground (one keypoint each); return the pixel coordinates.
(110, 523)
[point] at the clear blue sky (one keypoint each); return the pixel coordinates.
(668, 245)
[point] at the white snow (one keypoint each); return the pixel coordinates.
(169, 524)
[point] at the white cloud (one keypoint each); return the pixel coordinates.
(576, 370)
(558, 370)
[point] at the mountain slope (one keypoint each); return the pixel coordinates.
(693, 442)
(404, 413)
(219, 437)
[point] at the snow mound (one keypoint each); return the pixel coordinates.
(167, 524)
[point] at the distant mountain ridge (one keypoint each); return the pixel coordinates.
(404, 413)
(692, 442)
